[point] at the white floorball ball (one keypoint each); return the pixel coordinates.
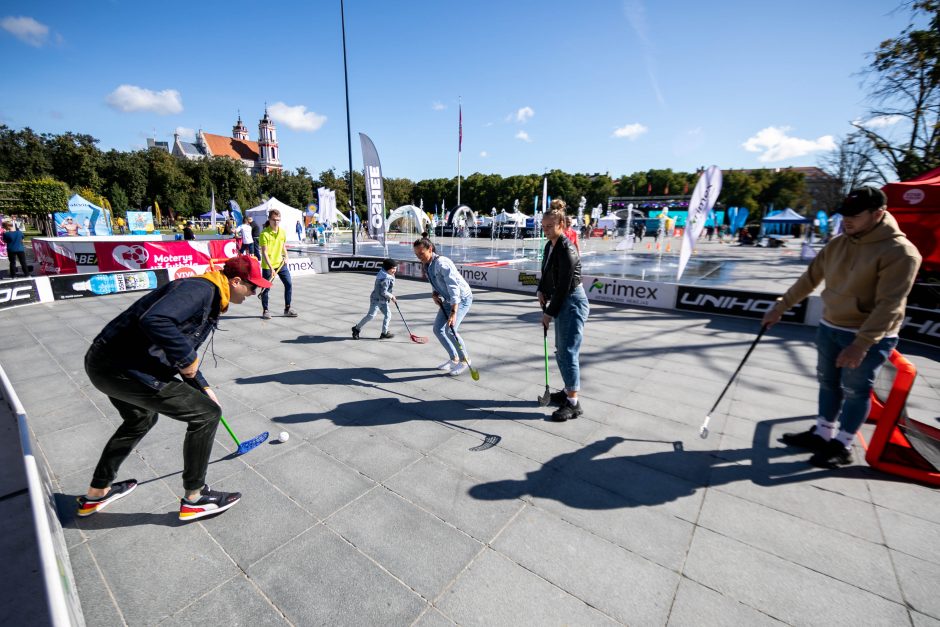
(283, 436)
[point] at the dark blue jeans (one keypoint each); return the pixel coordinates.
(845, 393)
(284, 275)
(569, 331)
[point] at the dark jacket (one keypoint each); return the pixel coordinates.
(188, 234)
(561, 274)
(159, 334)
(14, 241)
(255, 230)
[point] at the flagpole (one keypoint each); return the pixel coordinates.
(352, 202)
(459, 144)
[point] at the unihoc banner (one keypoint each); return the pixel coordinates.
(703, 199)
(375, 189)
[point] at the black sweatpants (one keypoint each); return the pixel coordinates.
(139, 405)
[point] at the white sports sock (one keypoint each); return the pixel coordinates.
(825, 429)
(845, 438)
(573, 400)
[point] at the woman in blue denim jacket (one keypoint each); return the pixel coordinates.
(453, 298)
(563, 300)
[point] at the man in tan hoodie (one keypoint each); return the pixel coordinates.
(869, 271)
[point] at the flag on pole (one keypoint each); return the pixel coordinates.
(685, 190)
(212, 209)
(666, 190)
(649, 189)
(375, 189)
(459, 128)
(703, 199)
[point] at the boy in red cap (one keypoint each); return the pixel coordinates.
(142, 360)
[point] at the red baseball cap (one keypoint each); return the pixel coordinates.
(246, 268)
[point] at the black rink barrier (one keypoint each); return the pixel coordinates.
(43, 591)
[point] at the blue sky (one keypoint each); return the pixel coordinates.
(582, 86)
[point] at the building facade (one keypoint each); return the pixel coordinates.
(258, 158)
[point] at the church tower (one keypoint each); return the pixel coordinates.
(240, 131)
(268, 160)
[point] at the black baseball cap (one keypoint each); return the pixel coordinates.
(862, 199)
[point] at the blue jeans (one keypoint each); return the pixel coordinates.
(284, 275)
(447, 335)
(375, 307)
(845, 393)
(569, 331)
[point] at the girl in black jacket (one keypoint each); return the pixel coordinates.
(563, 300)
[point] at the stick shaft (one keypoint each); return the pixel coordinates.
(545, 342)
(229, 429)
(741, 365)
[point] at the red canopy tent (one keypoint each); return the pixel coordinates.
(916, 206)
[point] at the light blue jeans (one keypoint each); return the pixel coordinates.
(375, 306)
(569, 331)
(447, 335)
(845, 393)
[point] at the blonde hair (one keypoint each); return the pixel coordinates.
(555, 213)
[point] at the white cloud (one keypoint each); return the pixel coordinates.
(882, 121)
(630, 131)
(26, 29)
(776, 145)
(523, 136)
(129, 98)
(524, 114)
(483, 153)
(296, 117)
(438, 106)
(186, 134)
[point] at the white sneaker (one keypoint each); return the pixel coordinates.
(458, 369)
(447, 365)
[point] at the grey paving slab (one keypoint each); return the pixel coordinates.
(352, 590)
(415, 546)
(153, 584)
(910, 535)
(319, 483)
(446, 493)
(99, 607)
(920, 620)
(647, 531)
(433, 618)
(863, 564)
(782, 589)
(621, 584)
(906, 498)
(75, 448)
(235, 602)
(496, 591)
(918, 579)
(698, 606)
(245, 536)
(23, 600)
(373, 454)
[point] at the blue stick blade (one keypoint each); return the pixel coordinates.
(247, 445)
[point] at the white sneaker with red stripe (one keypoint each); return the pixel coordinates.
(209, 503)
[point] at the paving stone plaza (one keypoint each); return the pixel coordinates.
(377, 510)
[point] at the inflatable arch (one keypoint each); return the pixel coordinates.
(408, 211)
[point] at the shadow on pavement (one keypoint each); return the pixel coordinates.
(645, 479)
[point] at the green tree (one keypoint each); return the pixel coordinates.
(41, 197)
(119, 202)
(74, 158)
(905, 84)
(22, 155)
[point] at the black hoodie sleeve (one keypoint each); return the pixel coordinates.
(565, 264)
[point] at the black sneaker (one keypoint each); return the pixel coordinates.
(832, 455)
(805, 439)
(120, 489)
(568, 412)
(386, 336)
(558, 398)
(209, 503)
(355, 331)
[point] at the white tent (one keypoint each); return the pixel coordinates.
(518, 217)
(608, 222)
(327, 211)
(289, 216)
(405, 212)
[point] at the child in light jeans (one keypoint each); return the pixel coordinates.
(380, 298)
